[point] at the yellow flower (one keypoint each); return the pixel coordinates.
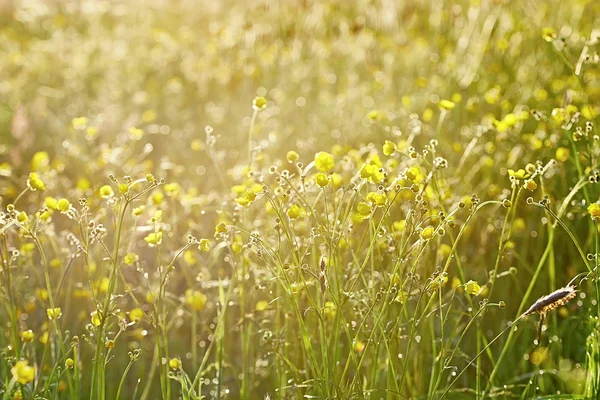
(96, 318)
(22, 217)
(136, 315)
(157, 198)
(389, 148)
(472, 287)
(292, 156)
(138, 211)
(324, 161)
(261, 305)
(530, 185)
(293, 212)
(548, 34)
(259, 103)
(154, 239)
(79, 123)
(135, 133)
(51, 203)
(446, 104)
(322, 179)
(520, 174)
(54, 313)
(123, 188)
(427, 233)
(196, 299)
(562, 154)
(221, 228)
(63, 205)
(329, 310)
(594, 210)
(69, 363)
(130, 258)
(22, 372)
(27, 336)
(363, 208)
(106, 192)
(175, 363)
(204, 245)
(34, 182)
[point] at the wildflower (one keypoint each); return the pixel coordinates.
(373, 115)
(136, 315)
(175, 363)
(292, 156)
(562, 154)
(389, 148)
(157, 198)
(106, 192)
(79, 123)
(22, 372)
(322, 179)
(40, 160)
(27, 336)
(63, 205)
(324, 161)
(259, 103)
(204, 245)
(427, 233)
(261, 305)
(196, 299)
(154, 239)
(520, 174)
(34, 182)
(54, 313)
(359, 346)
(221, 228)
(123, 188)
(150, 178)
(135, 133)
(22, 217)
(137, 211)
(96, 318)
(51, 203)
(329, 310)
(69, 363)
(363, 208)
(530, 185)
(548, 34)
(293, 212)
(130, 258)
(594, 210)
(446, 104)
(472, 288)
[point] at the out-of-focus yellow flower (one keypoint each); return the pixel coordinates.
(427, 233)
(389, 148)
(196, 299)
(472, 288)
(261, 305)
(34, 182)
(175, 363)
(259, 103)
(204, 245)
(27, 336)
(54, 313)
(293, 212)
(324, 161)
(322, 179)
(136, 315)
(63, 205)
(22, 372)
(292, 156)
(154, 238)
(594, 210)
(329, 310)
(106, 192)
(446, 105)
(96, 318)
(130, 258)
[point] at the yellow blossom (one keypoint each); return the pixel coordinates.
(154, 238)
(427, 233)
(196, 299)
(389, 148)
(27, 336)
(175, 363)
(63, 205)
(54, 313)
(322, 179)
(22, 372)
(106, 192)
(324, 161)
(293, 212)
(472, 287)
(35, 183)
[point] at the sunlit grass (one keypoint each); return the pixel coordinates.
(286, 200)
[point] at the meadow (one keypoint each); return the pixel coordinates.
(299, 199)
